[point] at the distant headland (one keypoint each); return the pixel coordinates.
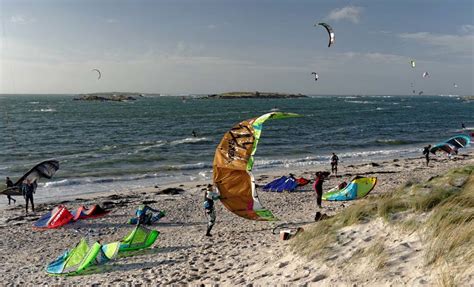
(254, 95)
(111, 96)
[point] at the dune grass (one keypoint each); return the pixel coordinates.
(441, 210)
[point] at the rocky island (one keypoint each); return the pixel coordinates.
(113, 96)
(254, 95)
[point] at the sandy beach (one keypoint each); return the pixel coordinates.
(240, 252)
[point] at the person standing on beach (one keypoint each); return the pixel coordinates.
(426, 152)
(318, 188)
(9, 183)
(28, 190)
(334, 162)
(209, 208)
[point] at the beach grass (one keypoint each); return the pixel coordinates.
(441, 210)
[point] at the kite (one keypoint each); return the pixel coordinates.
(233, 163)
(332, 36)
(316, 76)
(98, 71)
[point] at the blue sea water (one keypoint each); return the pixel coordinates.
(106, 146)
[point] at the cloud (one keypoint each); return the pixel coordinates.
(351, 13)
(445, 42)
(21, 19)
(211, 26)
(467, 28)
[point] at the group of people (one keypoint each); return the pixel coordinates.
(27, 188)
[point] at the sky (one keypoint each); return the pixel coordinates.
(197, 47)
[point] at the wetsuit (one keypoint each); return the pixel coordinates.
(210, 210)
(28, 190)
(10, 184)
(334, 161)
(318, 187)
(426, 152)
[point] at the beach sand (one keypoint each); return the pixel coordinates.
(239, 252)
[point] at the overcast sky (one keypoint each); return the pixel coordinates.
(180, 47)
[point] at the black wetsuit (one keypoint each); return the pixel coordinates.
(426, 152)
(28, 190)
(10, 184)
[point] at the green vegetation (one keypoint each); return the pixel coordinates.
(441, 210)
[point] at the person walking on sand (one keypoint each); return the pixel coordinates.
(209, 208)
(334, 162)
(318, 188)
(9, 183)
(426, 152)
(28, 190)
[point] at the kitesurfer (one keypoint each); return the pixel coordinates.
(28, 189)
(426, 152)
(144, 215)
(318, 187)
(194, 134)
(209, 208)
(334, 162)
(9, 183)
(463, 126)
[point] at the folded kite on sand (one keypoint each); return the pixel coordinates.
(285, 183)
(357, 188)
(60, 216)
(78, 259)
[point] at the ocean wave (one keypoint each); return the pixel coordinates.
(155, 145)
(48, 110)
(359, 102)
(33, 103)
(189, 140)
(393, 142)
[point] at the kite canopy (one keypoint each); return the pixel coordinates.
(45, 169)
(331, 34)
(452, 145)
(316, 76)
(57, 217)
(75, 260)
(99, 73)
(233, 162)
(357, 188)
(60, 216)
(412, 63)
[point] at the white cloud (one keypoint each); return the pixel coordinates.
(351, 13)
(211, 26)
(21, 19)
(467, 28)
(447, 43)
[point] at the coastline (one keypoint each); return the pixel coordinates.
(182, 254)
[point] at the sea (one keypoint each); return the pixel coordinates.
(111, 146)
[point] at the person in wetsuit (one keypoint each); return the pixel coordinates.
(426, 152)
(28, 189)
(209, 198)
(9, 183)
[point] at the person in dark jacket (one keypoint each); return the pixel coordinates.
(10, 184)
(28, 189)
(318, 188)
(426, 152)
